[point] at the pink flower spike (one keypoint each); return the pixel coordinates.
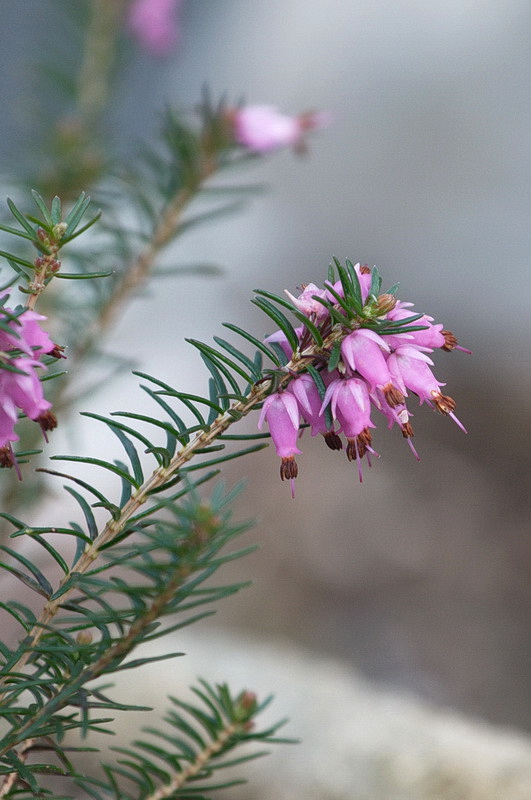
(155, 24)
(282, 414)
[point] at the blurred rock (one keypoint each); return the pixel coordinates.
(357, 741)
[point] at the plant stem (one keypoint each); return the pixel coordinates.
(201, 760)
(93, 80)
(157, 479)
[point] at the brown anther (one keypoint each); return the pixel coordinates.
(6, 457)
(288, 468)
(386, 302)
(365, 269)
(393, 395)
(450, 341)
(84, 637)
(357, 447)
(443, 403)
(47, 420)
(407, 430)
(57, 351)
(333, 441)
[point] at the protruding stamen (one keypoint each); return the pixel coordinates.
(393, 395)
(333, 440)
(288, 468)
(443, 402)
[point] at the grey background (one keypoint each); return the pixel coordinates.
(419, 577)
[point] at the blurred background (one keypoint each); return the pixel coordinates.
(419, 577)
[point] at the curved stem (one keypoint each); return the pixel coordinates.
(158, 479)
(93, 80)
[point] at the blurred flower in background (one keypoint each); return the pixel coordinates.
(156, 24)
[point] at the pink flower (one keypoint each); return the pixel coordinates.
(410, 369)
(155, 24)
(282, 414)
(24, 388)
(310, 404)
(306, 304)
(27, 334)
(351, 406)
(362, 351)
(8, 419)
(20, 386)
(431, 337)
(263, 128)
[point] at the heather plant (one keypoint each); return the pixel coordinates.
(136, 565)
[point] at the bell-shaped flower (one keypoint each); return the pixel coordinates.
(33, 335)
(351, 406)
(310, 403)
(27, 335)
(24, 388)
(363, 351)
(410, 370)
(282, 414)
(430, 337)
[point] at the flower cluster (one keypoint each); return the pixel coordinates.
(22, 344)
(263, 128)
(371, 352)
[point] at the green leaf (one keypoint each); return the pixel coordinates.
(56, 210)
(376, 283)
(97, 462)
(31, 567)
(43, 208)
(82, 276)
(75, 215)
(254, 341)
(245, 360)
(279, 319)
(356, 293)
(276, 298)
(335, 355)
(309, 325)
(222, 459)
(87, 512)
(19, 216)
(217, 356)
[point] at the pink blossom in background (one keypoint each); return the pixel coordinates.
(263, 128)
(155, 24)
